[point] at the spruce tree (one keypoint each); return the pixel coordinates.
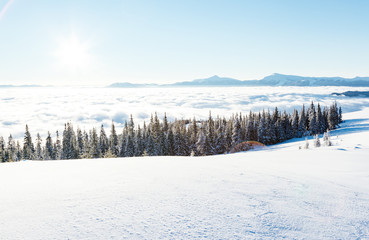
(302, 123)
(320, 120)
(11, 149)
(170, 142)
(295, 123)
(80, 143)
(210, 136)
(113, 141)
(49, 148)
(220, 146)
(262, 129)
(3, 157)
(236, 133)
(313, 125)
(139, 142)
(28, 149)
(202, 144)
(69, 143)
(38, 153)
(103, 142)
(58, 147)
(228, 136)
(19, 152)
(94, 144)
(194, 135)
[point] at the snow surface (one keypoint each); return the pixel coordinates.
(278, 193)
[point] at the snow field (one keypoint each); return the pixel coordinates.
(281, 192)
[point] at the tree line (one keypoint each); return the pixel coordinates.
(177, 138)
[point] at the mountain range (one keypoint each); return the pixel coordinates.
(272, 80)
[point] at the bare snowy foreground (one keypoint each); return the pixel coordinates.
(281, 192)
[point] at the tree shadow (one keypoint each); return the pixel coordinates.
(352, 126)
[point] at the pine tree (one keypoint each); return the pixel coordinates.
(19, 152)
(38, 153)
(262, 129)
(236, 133)
(178, 143)
(220, 146)
(295, 123)
(129, 146)
(123, 141)
(170, 142)
(113, 141)
(140, 145)
(194, 135)
(313, 125)
(49, 148)
(28, 149)
(271, 137)
(251, 131)
(320, 120)
(131, 135)
(306, 143)
(327, 139)
(165, 123)
(3, 158)
(80, 143)
(228, 136)
(210, 136)
(202, 144)
(316, 141)
(86, 145)
(94, 144)
(103, 142)
(69, 143)
(286, 127)
(302, 123)
(58, 147)
(184, 139)
(11, 149)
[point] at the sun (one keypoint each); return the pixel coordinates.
(73, 53)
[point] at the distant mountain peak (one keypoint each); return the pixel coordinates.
(215, 76)
(276, 79)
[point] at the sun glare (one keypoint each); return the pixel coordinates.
(73, 53)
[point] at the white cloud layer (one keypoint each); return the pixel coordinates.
(47, 109)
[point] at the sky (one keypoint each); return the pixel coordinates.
(101, 42)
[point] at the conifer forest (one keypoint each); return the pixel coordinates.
(185, 137)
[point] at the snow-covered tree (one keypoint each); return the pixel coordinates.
(39, 152)
(316, 141)
(28, 149)
(113, 141)
(49, 148)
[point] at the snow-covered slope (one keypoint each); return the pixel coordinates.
(281, 192)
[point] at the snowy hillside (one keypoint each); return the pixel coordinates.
(281, 192)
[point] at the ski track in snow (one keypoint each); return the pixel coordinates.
(278, 193)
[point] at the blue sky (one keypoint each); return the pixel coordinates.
(101, 42)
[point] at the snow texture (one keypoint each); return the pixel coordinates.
(278, 193)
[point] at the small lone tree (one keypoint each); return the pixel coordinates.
(316, 141)
(306, 143)
(327, 139)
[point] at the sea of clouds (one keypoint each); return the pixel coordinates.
(48, 109)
